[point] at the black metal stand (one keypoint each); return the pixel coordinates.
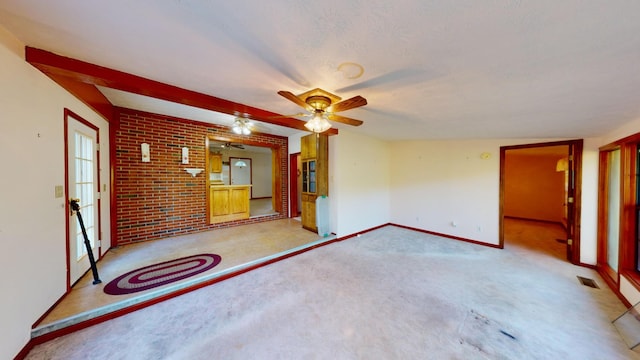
(75, 206)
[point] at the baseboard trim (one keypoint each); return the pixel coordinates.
(496, 246)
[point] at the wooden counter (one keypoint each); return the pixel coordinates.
(228, 202)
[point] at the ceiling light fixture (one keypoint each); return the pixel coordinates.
(242, 126)
(318, 123)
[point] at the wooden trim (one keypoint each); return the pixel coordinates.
(114, 125)
(577, 145)
(535, 220)
(68, 113)
(611, 276)
(578, 149)
(627, 248)
(66, 203)
(501, 196)
(49, 310)
(86, 93)
(75, 71)
(293, 185)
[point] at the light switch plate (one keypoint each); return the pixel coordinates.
(59, 191)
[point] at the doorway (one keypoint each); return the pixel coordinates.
(82, 182)
(295, 185)
(542, 183)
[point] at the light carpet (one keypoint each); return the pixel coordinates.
(390, 294)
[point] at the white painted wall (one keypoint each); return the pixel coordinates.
(589, 216)
(446, 187)
(437, 183)
(32, 220)
(261, 174)
(359, 183)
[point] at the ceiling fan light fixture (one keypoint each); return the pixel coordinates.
(318, 102)
(241, 126)
(318, 123)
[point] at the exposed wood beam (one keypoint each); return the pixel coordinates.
(88, 94)
(57, 66)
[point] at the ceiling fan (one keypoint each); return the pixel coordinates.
(322, 106)
(229, 145)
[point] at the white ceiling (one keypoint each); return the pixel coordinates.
(432, 69)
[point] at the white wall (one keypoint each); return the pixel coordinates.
(446, 187)
(437, 183)
(359, 183)
(589, 216)
(261, 174)
(32, 221)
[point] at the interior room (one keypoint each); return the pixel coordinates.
(299, 163)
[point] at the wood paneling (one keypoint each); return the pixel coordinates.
(228, 203)
(315, 148)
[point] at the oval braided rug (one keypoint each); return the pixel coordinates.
(161, 274)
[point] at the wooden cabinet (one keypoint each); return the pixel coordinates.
(215, 163)
(314, 153)
(308, 147)
(228, 203)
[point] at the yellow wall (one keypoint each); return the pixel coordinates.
(533, 189)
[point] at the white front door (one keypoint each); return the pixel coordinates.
(82, 162)
(240, 171)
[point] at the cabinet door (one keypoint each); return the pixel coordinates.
(219, 202)
(215, 163)
(309, 176)
(309, 212)
(239, 200)
(308, 146)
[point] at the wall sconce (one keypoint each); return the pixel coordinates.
(146, 153)
(193, 171)
(185, 155)
(562, 165)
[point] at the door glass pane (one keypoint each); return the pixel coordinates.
(613, 206)
(84, 189)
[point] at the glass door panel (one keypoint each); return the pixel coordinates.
(613, 209)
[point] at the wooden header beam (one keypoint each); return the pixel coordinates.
(80, 78)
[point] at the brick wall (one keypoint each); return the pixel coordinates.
(159, 199)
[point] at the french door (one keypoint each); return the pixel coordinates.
(82, 184)
(610, 216)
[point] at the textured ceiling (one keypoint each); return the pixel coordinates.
(432, 69)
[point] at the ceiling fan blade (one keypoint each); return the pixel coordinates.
(352, 103)
(290, 96)
(288, 116)
(344, 120)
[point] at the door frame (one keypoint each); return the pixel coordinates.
(574, 191)
(71, 116)
(294, 174)
(609, 275)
